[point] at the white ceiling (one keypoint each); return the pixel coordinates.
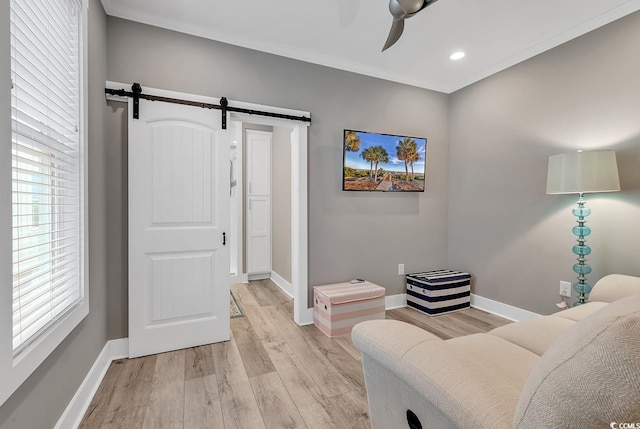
(349, 34)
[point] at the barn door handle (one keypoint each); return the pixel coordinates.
(224, 238)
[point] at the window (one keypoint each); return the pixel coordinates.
(49, 291)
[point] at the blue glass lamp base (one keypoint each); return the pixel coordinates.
(581, 268)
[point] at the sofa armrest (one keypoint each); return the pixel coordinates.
(464, 391)
(614, 287)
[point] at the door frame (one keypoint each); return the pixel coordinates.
(302, 314)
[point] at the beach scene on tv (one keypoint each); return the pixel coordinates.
(382, 162)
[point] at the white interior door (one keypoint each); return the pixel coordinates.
(258, 145)
(178, 215)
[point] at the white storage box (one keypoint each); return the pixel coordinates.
(338, 307)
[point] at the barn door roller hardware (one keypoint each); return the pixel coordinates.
(136, 93)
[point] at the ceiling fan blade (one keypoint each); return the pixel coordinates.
(394, 34)
(412, 6)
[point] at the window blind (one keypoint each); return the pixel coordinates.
(46, 164)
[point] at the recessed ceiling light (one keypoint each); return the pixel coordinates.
(457, 55)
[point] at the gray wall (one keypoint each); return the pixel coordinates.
(502, 227)
(350, 234)
(53, 384)
(281, 202)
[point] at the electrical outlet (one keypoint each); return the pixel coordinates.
(400, 269)
(565, 289)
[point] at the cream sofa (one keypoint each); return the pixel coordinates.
(578, 368)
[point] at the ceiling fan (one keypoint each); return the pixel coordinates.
(401, 10)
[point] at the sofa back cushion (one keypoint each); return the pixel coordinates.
(590, 376)
(614, 287)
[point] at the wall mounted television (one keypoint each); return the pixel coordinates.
(383, 162)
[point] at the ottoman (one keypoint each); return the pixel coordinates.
(338, 307)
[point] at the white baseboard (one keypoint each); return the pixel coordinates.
(73, 414)
(259, 276)
(481, 303)
(284, 285)
(395, 301)
(306, 318)
(500, 309)
(119, 348)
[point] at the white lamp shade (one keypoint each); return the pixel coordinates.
(583, 172)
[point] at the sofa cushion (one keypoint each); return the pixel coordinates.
(535, 335)
(590, 376)
(475, 380)
(581, 311)
(501, 360)
(614, 287)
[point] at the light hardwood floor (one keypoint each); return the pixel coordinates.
(272, 374)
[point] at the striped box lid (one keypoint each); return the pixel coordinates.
(438, 278)
(341, 293)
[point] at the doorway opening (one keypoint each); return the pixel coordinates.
(269, 206)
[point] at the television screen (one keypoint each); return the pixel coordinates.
(383, 162)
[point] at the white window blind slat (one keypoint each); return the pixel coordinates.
(33, 312)
(31, 157)
(46, 164)
(26, 296)
(42, 66)
(64, 180)
(38, 271)
(60, 189)
(36, 164)
(26, 257)
(38, 57)
(27, 139)
(34, 86)
(49, 21)
(21, 233)
(33, 132)
(21, 178)
(44, 205)
(26, 254)
(34, 112)
(46, 188)
(29, 213)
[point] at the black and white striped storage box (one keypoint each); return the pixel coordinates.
(438, 292)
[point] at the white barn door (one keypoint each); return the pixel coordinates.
(178, 228)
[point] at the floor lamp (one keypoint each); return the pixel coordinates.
(581, 173)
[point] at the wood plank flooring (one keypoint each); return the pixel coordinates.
(272, 374)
